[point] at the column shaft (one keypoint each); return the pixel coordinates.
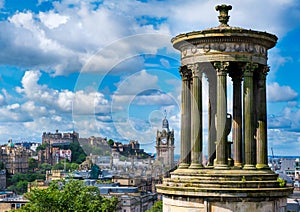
(261, 134)
(196, 118)
(221, 160)
(249, 117)
(237, 118)
(185, 138)
(211, 75)
(212, 108)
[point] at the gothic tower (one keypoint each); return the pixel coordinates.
(165, 145)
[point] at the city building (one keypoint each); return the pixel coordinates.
(10, 201)
(29, 145)
(58, 137)
(130, 198)
(54, 145)
(165, 145)
(297, 174)
(132, 149)
(2, 179)
(14, 158)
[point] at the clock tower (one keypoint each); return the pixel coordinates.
(165, 145)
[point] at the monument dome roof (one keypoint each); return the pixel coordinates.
(224, 33)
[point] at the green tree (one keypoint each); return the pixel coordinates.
(68, 196)
(123, 158)
(44, 167)
(2, 166)
(18, 182)
(95, 171)
(32, 164)
(42, 147)
(110, 142)
(74, 166)
(157, 207)
(19, 188)
(78, 154)
(65, 166)
(28, 177)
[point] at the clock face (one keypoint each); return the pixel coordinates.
(164, 140)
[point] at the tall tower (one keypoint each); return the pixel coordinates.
(165, 145)
(233, 181)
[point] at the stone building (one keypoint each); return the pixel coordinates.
(165, 145)
(14, 158)
(2, 179)
(238, 180)
(52, 142)
(132, 149)
(59, 137)
(130, 198)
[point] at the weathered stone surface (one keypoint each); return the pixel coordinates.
(245, 184)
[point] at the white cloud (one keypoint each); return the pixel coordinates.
(12, 113)
(283, 142)
(253, 14)
(137, 83)
(156, 98)
(52, 20)
(64, 39)
(2, 100)
(13, 106)
(81, 102)
(277, 93)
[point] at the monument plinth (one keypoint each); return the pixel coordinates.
(237, 180)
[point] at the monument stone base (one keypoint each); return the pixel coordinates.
(202, 205)
(230, 190)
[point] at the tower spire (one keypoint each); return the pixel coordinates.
(165, 122)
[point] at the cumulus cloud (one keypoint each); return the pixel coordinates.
(65, 38)
(12, 113)
(52, 20)
(277, 93)
(246, 14)
(80, 102)
(155, 97)
(277, 122)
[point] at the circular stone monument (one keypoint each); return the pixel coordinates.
(237, 180)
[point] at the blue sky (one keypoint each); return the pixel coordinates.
(107, 68)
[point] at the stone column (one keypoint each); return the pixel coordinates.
(249, 117)
(212, 109)
(261, 133)
(221, 161)
(236, 76)
(196, 131)
(185, 138)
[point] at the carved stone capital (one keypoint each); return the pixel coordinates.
(265, 70)
(262, 76)
(236, 76)
(221, 67)
(195, 68)
(185, 73)
(249, 68)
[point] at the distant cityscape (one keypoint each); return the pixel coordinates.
(123, 170)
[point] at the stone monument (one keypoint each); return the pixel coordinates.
(243, 182)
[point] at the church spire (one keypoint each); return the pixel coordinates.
(165, 122)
